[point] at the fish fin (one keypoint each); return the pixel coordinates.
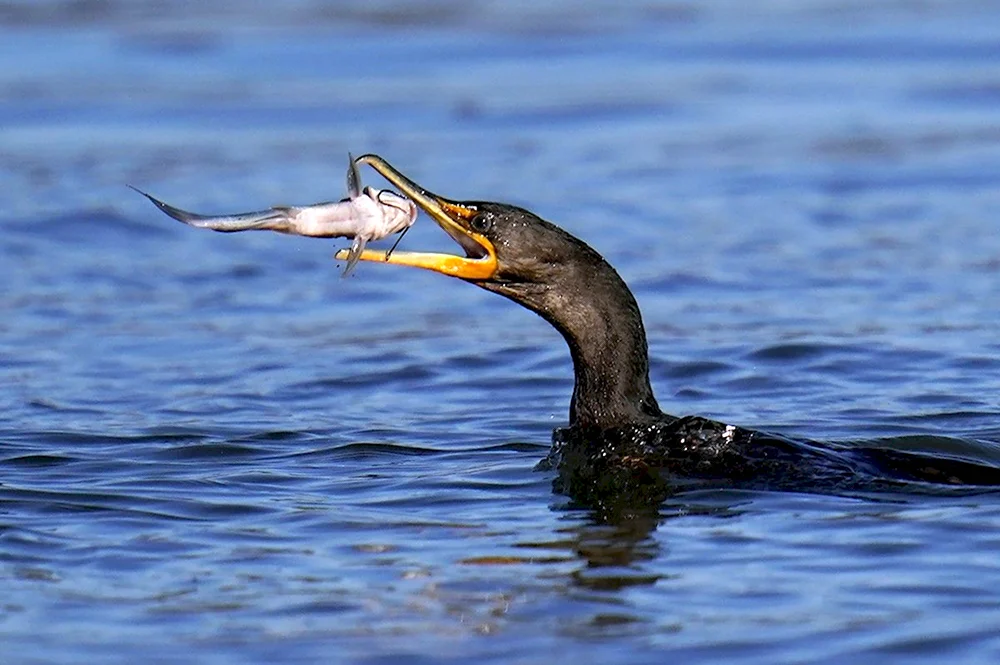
(398, 238)
(357, 247)
(244, 221)
(176, 213)
(353, 178)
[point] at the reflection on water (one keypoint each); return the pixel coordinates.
(214, 449)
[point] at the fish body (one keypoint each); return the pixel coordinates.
(367, 214)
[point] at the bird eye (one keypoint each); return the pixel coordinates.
(481, 223)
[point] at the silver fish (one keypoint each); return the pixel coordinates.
(366, 214)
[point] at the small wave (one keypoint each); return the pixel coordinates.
(209, 451)
(513, 446)
(366, 450)
(693, 369)
(67, 501)
(37, 461)
(795, 351)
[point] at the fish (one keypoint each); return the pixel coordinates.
(366, 214)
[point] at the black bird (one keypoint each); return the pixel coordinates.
(619, 446)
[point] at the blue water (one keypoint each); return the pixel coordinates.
(215, 450)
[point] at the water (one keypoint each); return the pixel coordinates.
(214, 450)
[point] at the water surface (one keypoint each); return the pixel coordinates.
(215, 450)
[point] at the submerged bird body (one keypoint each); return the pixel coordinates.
(643, 463)
(619, 446)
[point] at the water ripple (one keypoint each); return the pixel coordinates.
(214, 449)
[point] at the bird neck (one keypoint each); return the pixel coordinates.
(607, 342)
(599, 318)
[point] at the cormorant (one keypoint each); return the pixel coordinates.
(619, 446)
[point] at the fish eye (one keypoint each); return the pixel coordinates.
(481, 223)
